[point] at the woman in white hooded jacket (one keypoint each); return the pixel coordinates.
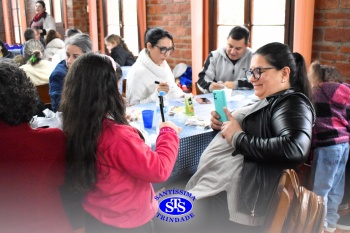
(54, 44)
(151, 73)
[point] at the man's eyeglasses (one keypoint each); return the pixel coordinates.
(257, 72)
(164, 49)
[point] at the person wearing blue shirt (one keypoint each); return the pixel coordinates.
(75, 46)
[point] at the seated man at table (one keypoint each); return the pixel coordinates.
(29, 34)
(225, 67)
(32, 164)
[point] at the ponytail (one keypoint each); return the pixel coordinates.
(35, 58)
(300, 81)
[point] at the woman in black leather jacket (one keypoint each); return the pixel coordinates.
(274, 134)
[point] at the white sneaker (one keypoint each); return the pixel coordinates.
(343, 207)
(344, 222)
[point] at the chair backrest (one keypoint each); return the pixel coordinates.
(124, 87)
(122, 81)
(294, 208)
(43, 91)
(279, 205)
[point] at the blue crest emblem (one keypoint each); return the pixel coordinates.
(175, 206)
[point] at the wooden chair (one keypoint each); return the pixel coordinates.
(43, 91)
(279, 207)
(294, 208)
(124, 88)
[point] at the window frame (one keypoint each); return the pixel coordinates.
(212, 22)
(121, 24)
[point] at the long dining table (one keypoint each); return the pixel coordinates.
(196, 133)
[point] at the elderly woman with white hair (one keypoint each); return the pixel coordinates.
(36, 68)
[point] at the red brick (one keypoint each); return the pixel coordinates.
(333, 57)
(150, 2)
(325, 23)
(176, 54)
(315, 56)
(344, 23)
(181, 31)
(173, 23)
(336, 15)
(344, 69)
(324, 48)
(161, 9)
(157, 17)
(327, 62)
(187, 54)
(345, 49)
(317, 35)
(318, 15)
(188, 47)
(337, 35)
(168, 18)
(345, 4)
(326, 4)
(150, 10)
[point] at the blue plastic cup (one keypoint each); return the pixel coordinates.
(147, 116)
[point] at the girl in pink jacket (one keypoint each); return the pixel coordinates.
(106, 157)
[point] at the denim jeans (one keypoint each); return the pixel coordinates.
(328, 172)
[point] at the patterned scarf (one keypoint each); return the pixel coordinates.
(37, 17)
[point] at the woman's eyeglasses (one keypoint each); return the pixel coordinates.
(256, 72)
(164, 49)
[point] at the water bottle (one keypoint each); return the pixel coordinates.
(165, 104)
(158, 116)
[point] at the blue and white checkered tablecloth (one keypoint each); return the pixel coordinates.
(193, 139)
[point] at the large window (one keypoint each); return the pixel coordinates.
(122, 20)
(267, 20)
(16, 19)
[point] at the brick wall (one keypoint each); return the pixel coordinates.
(331, 36)
(2, 26)
(77, 15)
(175, 17)
(30, 10)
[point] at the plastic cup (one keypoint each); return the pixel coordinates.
(147, 116)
